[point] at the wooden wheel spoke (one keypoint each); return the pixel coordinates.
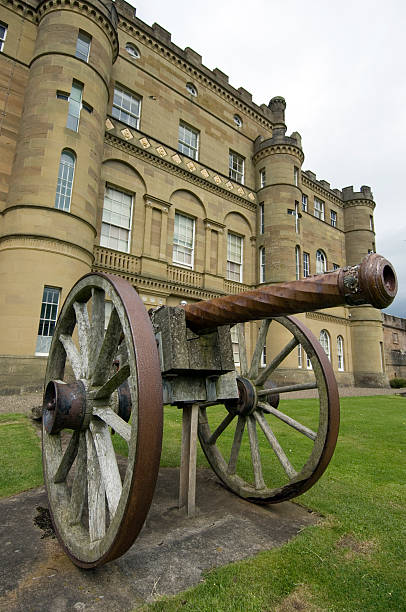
(276, 361)
(67, 459)
(113, 383)
(117, 423)
(259, 347)
(73, 355)
(83, 327)
(242, 348)
(287, 389)
(288, 420)
(78, 494)
(97, 327)
(108, 463)
(255, 456)
(235, 449)
(95, 492)
(278, 450)
(108, 349)
(223, 425)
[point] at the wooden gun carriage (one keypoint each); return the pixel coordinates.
(123, 374)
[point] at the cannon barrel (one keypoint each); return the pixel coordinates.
(373, 281)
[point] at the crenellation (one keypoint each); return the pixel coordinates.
(162, 34)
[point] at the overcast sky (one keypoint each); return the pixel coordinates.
(341, 68)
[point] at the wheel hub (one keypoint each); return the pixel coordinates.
(247, 401)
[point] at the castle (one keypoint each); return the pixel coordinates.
(123, 153)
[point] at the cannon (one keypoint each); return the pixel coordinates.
(107, 379)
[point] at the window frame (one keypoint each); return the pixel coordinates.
(235, 344)
(236, 173)
(262, 178)
(177, 262)
(60, 196)
(73, 105)
(321, 262)
(50, 321)
(120, 113)
(229, 260)
(333, 218)
(297, 261)
(262, 264)
(325, 341)
(319, 209)
(122, 227)
(261, 217)
(3, 38)
(296, 176)
(86, 44)
(299, 356)
(192, 150)
(305, 202)
(306, 260)
(340, 354)
(132, 50)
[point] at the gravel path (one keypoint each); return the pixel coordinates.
(25, 402)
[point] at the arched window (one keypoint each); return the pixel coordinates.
(321, 262)
(340, 353)
(65, 180)
(325, 342)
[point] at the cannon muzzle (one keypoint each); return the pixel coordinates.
(373, 281)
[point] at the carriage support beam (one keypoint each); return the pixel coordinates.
(187, 479)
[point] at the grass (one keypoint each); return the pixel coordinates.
(20, 446)
(354, 561)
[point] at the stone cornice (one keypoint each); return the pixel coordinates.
(156, 203)
(274, 149)
(360, 202)
(96, 11)
(50, 209)
(202, 74)
(45, 243)
(327, 318)
(160, 162)
(22, 8)
(317, 188)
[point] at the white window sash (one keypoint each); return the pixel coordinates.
(109, 221)
(178, 247)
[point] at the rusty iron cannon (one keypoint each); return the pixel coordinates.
(106, 386)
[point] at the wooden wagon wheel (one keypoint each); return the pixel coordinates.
(255, 432)
(98, 504)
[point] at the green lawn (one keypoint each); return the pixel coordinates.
(354, 561)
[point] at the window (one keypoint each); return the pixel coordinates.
(236, 167)
(132, 50)
(340, 353)
(304, 202)
(65, 180)
(262, 178)
(183, 240)
(319, 209)
(262, 264)
(297, 259)
(83, 46)
(237, 120)
(395, 337)
(188, 140)
(263, 357)
(308, 363)
(47, 319)
(297, 217)
(234, 258)
(191, 89)
(234, 343)
(126, 107)
(3, 34)
(321, 262)
(116, 221)
(306, 265)
(299, 356)
(335, 266)
(333, 218)
(325, 342)
(371, 223)
(75, 105)
(261, 218)
(296, 176)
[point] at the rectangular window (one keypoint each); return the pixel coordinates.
(188, 142)
(306, 264)
(395, 337)
(235, 345)
(371, 223)
(116, 221)
(297, 258)
(126, 107)
(261, 218)
(83, 46)
(236, 167)
(333, 218)
(263, 357)
(234, 258)
(299, 356)
(262, 265)
(296, 176)
(47, 319)
(183, 240)
(75, 105)
(297, 217)
(308, 363)
(318, 209)
(262, 178)
(304, 202)
(3, 34)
